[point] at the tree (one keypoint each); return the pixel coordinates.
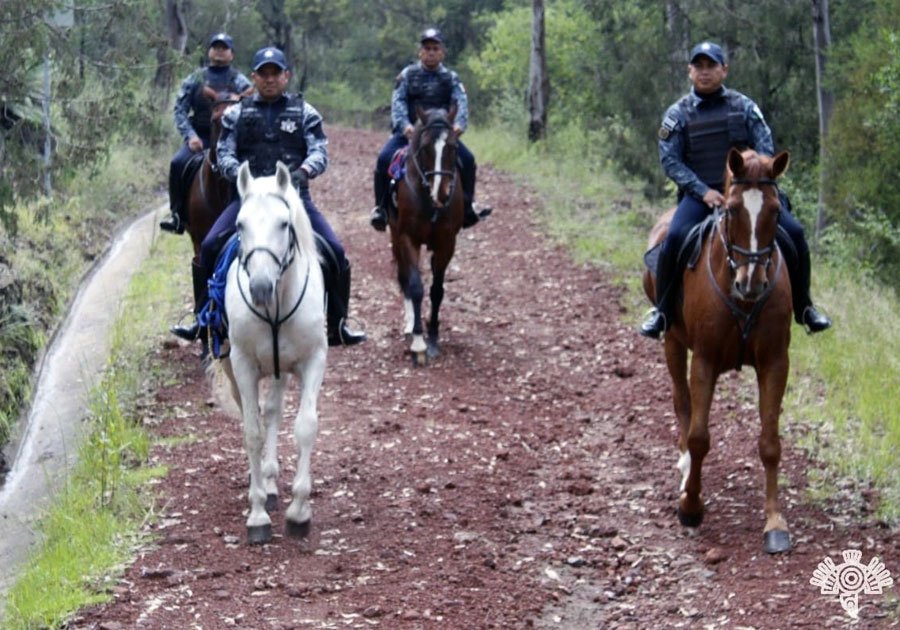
(824, 97)
(538, 81)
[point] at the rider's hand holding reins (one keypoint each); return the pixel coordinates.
(713, 198)
(195, 144)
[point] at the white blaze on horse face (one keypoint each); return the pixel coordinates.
(753, 202)
(439, 145)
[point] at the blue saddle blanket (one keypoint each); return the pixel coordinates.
(212, 317)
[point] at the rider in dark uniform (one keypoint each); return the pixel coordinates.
(694, 139)
(262, 129)
(427, 84)
(192, 117)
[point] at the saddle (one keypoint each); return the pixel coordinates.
(213, 318)
(191, 167)
(690, 249)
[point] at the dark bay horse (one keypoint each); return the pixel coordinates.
(209, 192)
(429, 212)
(736, 310)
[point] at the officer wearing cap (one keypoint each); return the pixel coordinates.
(270, 126)
(696, 134)
(192, 117)
(427, 84)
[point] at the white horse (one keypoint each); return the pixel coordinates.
(274, 298)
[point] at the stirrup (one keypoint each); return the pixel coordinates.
(654, 333)
(378, 219)
(337, 338)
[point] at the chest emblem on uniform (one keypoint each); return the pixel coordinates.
(288, 126)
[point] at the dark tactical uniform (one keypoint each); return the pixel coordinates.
(193, 114)
(416, 86)
(694, 139)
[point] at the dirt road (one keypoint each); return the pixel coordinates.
(525, 479)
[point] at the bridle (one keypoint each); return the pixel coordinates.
(758, 256)
(284, 262)
(745, 320)
(424, 175)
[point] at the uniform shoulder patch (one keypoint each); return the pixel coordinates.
(669, 124)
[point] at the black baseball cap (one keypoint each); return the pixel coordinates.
(221, 38)
(267, 55)
(431, 35)
(710, 50)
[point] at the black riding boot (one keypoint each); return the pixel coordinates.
(799, 271)
(378, 218)
(337, 287)
(660, 319)
(473, 213)
(176, 222)
(201, 291)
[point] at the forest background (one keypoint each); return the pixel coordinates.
(111, 69)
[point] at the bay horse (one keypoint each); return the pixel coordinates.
(275, 301)
(429, 212)
(736, 310)
(209, 192)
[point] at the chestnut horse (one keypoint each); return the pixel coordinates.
(429, 212)
(736, 310)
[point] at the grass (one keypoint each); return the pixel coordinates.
(841, 391)
(94, 524)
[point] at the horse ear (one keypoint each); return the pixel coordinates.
(735, 161)
(420, 114)
(282, 177)
(243, 178)
(451, 115)
(780, 164)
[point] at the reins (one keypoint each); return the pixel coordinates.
(745, 320)
(283, 264)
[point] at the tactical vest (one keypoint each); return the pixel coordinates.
(427, 89)
(712, 128)
(263, 145)
(201, 115)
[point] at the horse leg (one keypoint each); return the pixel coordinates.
(676, 360)
(438, 271)
(414, 292)
(272, 412)
(259, 525)
(703, 383)
(772, 381)
(306, 425)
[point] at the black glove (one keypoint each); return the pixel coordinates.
(300, 178)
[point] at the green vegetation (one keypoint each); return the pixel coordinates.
(94, 523)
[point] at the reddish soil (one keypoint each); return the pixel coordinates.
(526, 478)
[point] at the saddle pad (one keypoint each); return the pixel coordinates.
(397, 169)
(192, 167)
(212, 316)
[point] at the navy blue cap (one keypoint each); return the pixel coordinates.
(269, 54)
(221, 38)
(431, 35)
(708, 49)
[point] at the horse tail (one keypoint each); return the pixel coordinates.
(225, 392)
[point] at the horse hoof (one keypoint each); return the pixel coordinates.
(259, 534)
(297, 530)
(777, 541)
(419, 359)
(689, 520)
(433, 352)
(271, 502)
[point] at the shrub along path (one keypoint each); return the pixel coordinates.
(526, 478)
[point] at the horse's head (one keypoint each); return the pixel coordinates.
(433, 149)
(750, 218)
(272, 226)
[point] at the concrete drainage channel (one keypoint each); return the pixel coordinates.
(47, 444)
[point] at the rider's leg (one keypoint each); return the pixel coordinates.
(176, 222)
(473, 212)
(212, 244)
(378, 217)
(337, 279)
(689, 213)
(799, 266)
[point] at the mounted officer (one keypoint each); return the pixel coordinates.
(694, 139)
(427, 84)
(269, 126)
(192, 117)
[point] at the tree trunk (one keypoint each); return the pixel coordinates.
(822, 43)
(538, 81)
(677, 29)
(177, 31)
